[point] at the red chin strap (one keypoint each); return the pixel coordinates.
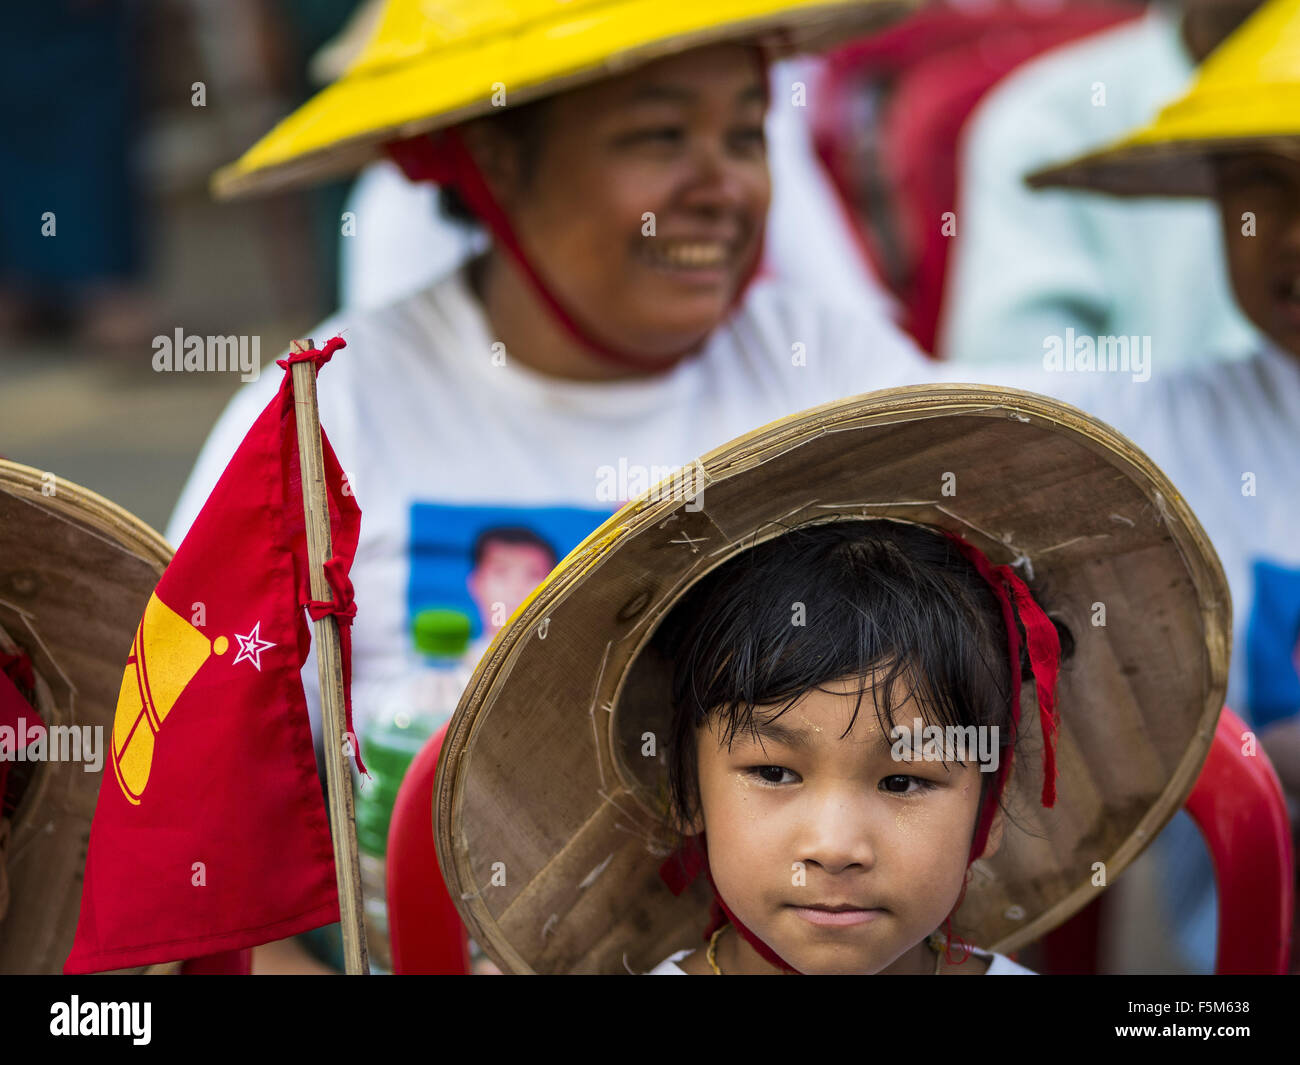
(683, 867)
(443, 158)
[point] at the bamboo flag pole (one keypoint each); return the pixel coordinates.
(329, 664)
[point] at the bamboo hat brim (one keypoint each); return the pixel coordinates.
(423, 71)
(550, 824)
(76, 571)
(1245, 98)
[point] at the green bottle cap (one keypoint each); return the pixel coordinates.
(441, 633)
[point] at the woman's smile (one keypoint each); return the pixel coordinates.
(699, 261)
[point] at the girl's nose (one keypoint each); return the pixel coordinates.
(839, 833)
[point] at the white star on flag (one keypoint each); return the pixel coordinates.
(251, 647)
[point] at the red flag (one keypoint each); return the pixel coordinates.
(210, 831)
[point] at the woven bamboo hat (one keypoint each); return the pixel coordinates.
(1245, 97)
(431, 65)
(75, 573)
(550, 826)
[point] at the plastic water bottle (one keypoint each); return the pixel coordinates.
(391, 740)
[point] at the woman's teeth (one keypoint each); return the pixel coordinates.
(688, 253)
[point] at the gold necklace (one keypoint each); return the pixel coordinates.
(935, 943)
(712, 954)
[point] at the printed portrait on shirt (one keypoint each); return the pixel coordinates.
(485, 560)
(1273, 643)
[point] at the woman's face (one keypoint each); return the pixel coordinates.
(806, 820)
(646, 204)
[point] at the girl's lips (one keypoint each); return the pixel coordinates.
(836, 918)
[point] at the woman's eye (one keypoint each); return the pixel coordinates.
(770, 774)
(752, 136)
(903, 785)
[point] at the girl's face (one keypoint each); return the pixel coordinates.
(681, 140)
(801, 822)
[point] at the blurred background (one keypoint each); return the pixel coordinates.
(120, 110)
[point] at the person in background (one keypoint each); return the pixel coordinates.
(1029, 265)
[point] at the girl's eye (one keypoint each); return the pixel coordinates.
(752, 136)
(663, 134)
(902, 785)
(769, 774)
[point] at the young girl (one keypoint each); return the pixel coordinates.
(838, 841)
(804, 681)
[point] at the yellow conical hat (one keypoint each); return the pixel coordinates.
(1246, 96)
(432, 64)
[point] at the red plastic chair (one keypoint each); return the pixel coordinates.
(1237, 803)
(426, 932)
(1239, 807)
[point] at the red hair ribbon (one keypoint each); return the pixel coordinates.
(685, 865)
(1044, 647)
(443, 158)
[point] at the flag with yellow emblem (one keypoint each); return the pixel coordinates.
(210, 832)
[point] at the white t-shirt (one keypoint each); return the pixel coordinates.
(999, 965)
(444, 443)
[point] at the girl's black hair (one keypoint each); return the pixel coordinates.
(881, 600)
(524, 128)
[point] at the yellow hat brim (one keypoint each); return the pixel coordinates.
(1245, 98)
(388, 95)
